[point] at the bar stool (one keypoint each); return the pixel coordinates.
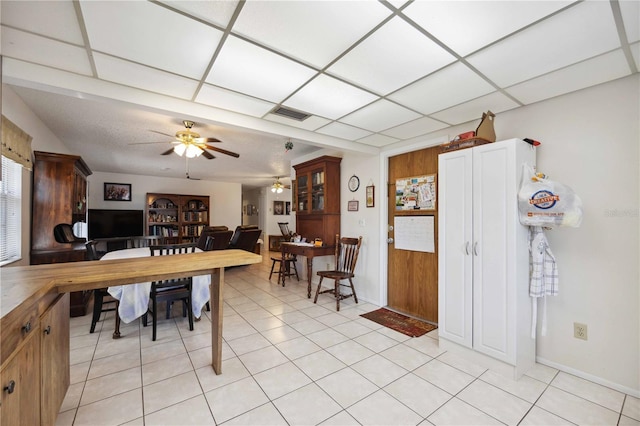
(282, 274)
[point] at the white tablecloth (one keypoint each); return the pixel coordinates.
(134, 298)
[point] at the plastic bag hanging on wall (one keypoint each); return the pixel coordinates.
(547, 203)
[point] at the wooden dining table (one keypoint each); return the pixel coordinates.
(309, 251)
(24, 286)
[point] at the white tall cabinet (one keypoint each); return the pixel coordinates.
(483, 256)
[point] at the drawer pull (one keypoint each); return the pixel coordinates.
(10, 387)
(26, 328)
(47, 330)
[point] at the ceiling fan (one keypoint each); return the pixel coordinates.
(278, 186)
(190, 144)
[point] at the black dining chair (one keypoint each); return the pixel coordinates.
(101, 296)
(170, 290)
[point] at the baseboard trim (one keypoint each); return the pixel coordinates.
(590, 377)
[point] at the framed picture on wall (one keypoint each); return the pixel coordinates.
(287, 208)
(117, 191)
(352, 206)
(278, 207)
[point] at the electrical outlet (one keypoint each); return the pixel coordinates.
(580, 331)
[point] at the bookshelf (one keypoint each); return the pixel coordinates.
(177, 217)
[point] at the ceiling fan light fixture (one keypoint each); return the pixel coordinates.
(193, 151)
(180, 149)
(277, 187)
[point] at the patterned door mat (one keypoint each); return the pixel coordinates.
(406, 325)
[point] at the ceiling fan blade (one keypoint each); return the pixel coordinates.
(207, 155)
(206, 140)
(162, 133)
(167, 152)
(222, 151)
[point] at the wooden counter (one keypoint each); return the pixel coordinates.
(29, 293)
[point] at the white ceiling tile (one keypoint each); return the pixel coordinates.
(635, 51)
(327, 97)
(380, 115)
(150, 34)
(312, 123)
(315, 32)
(247, 68)
(466, 26)
(495, 102)
(581, 32)
(378, 140)
(631, 17)
(594, 71)
(393, 56)
(215, 12)
(447, 87)
(226, 99)
(343, 131)
(141, 77)
(55, 19)
(415, 128)
(45, 51)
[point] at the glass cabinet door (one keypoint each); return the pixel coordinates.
(317, 190)
(303, 193)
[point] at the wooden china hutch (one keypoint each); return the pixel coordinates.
(317, 199)
(59, 195)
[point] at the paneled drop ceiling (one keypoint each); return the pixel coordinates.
(105, 74)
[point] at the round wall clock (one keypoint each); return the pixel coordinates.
(354, 183)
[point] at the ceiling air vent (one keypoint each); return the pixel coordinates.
(290, 113)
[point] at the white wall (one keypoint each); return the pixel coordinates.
(590, 141)
(225, 199)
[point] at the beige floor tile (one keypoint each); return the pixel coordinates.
(406, 357)
(575, 409)
(628, 421)
(72, 398)
(537, 416)
(109, 347)
(66, 418)
(590, 391)
(78, 372)
(225, 404)
(347, 387)
(280, 334)
(155, 353)
(263, 415)
(319, 364)
(542, 372)
(249, 343)
(350, 352)
(352, 329)
(499, 404)
(83, 341)
(341, 419)
(113, 364)
(232, 371)
(457, 412)
(462, 364)
(281, 380)
(631, 407)
(112, 411)
(376, 341)
(418, 394)
(444, 376)
(382, 409)
(194, 411)
(526, 387)
(264, 324)
(426, 345)
(110, 385)
(379, 370)
(263, 359)
(296, 348)
(307, 405)
(170, 391)
(165, 368)
(81, 355)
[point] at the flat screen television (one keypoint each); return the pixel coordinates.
(115, 223)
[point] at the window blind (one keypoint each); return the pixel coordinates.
(10, 211)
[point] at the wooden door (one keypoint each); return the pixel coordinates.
(412, 281)
(20, 402)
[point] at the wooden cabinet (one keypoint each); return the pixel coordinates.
(54, 360)
(34, 372)
(177, 217)
(317, 198)
(483, 271)
(59, 196)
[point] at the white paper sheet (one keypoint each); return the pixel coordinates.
(415, 233)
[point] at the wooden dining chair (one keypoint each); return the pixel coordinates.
(101, 296)
(170, 290)
(146, 241)
(346, 256)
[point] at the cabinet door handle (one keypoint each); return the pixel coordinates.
(47, 330)
(26, 328)
(10, 387)
(475, 248)
(466, 248)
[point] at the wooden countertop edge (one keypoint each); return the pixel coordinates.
(60, 277)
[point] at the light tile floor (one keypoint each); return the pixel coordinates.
(290, 362)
